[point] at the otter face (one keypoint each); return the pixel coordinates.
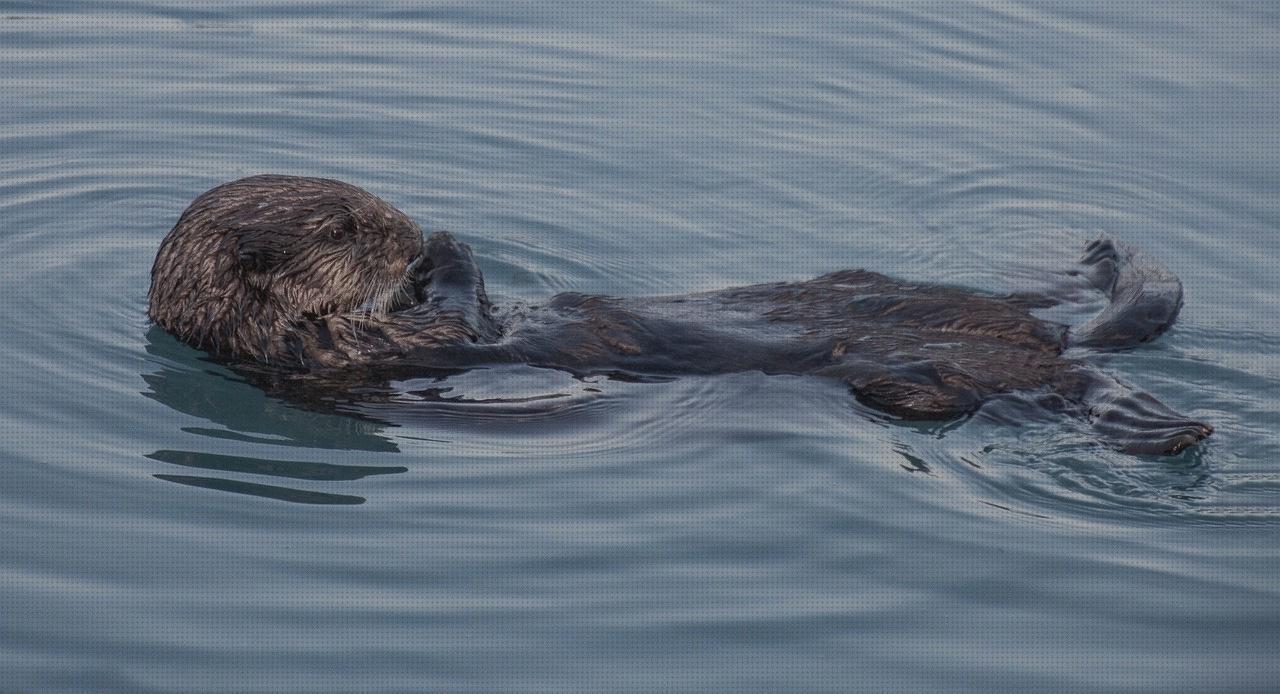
(250, 258)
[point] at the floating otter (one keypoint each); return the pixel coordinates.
(316, 275)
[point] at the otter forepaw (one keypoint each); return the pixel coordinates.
(442, 248)
(447, 262)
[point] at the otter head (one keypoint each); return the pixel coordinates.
(252, 258)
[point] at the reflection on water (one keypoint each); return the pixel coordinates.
(278, 468)
(192, 384)
(187, 381)
(267, 491)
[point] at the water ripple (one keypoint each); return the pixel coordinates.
(520, 529)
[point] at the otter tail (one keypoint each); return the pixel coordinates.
(1145, 297)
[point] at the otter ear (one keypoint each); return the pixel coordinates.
(258, 248)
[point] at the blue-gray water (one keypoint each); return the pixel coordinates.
(165, 526)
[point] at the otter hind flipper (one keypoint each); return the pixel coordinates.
(1144, 297)
(1131, 420)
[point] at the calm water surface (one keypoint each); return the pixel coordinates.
(165, 526)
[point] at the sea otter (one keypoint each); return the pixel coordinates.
(319, 276)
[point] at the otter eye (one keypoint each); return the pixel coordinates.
(342, 229)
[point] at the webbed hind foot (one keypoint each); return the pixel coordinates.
(1135, 422)
(1138, 423)
(1100, 264)
(1144, 297)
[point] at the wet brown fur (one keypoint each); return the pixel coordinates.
(318, 275)
(251, 260)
